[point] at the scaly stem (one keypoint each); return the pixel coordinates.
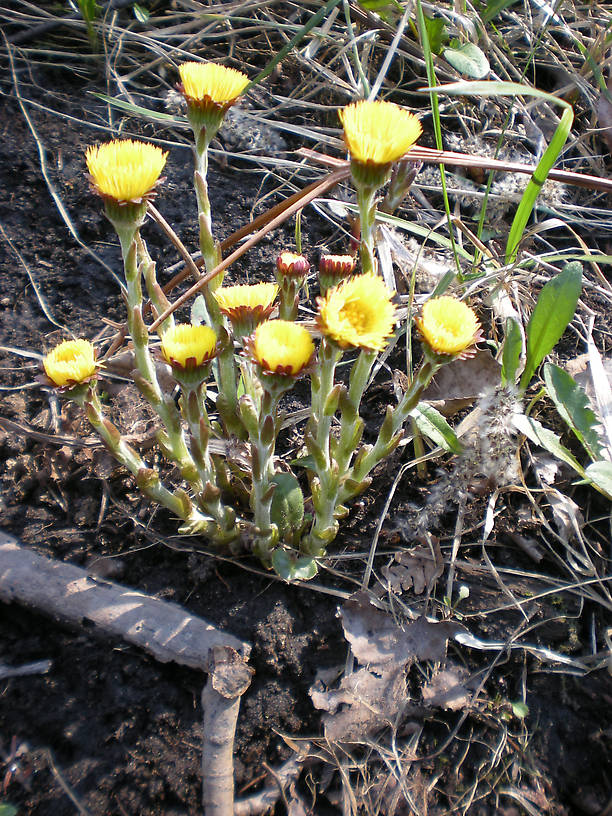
(225, 366)
(147, 479)
(263, 427)
(366, 201)
(332, 456)
(209, 500)
(173, 440)
(390, 433)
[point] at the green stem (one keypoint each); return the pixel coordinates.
(366, 201)
(390, 432)
(147, 479)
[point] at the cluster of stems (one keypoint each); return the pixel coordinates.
(251, 498)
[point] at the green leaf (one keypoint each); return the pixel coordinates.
(294, 569)
(8, 810)
(600, 473)
(140, 13)
(520, 710)
(432, 424)
(513, 344)
(307, 462)
(436, 32)
(573, 405)
(468, 59)
(548, 440)
(551, 316)
(287, 508)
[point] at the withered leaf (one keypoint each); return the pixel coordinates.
(377, 640)
(417, 568)
(446, 689)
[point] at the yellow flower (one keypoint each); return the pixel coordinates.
(378, 132)
(358, 313)
(187, 346)
(207, 82)
(247, 302)
(125, 170)
(70, 363)
(281, 347)
(448, 325)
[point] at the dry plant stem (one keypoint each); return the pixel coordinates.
(220, 718)
(68, 593)
(305, 198)
(430, 156)
(229, 677)
(265, 800)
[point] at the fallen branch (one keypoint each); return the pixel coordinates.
(68, 593)
(282, 778)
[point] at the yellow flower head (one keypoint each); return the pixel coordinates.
(71, 363)
(125, 170)
(358, 313)
(448, 325)
(208, 83)
(281, 347)
(378, 132)
(254, 301)
(187, 346)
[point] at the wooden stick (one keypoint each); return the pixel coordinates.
(68, 593)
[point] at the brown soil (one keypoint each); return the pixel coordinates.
(122, 731)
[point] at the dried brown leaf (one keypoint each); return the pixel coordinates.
(446, 689)
(415, 569)
(377, 640)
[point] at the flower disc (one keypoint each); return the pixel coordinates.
(358, 313)
(125, 170)
(70, 363)
(378, 132)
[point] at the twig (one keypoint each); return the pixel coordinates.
(39, 667)
(229, 677)
(68, 593)
(426, 154)
(266, 799)
(305, 198)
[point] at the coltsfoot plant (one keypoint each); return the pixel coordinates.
(246, 349)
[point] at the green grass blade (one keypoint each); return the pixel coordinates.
(540, 174)
(286, 49)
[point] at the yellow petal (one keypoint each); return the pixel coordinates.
(209, 81)
(184, 345)
(125, 170)
(448, 325)
(282, 347)
(70, 363)
(247, 297)
(378, 132)
(358, 313)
